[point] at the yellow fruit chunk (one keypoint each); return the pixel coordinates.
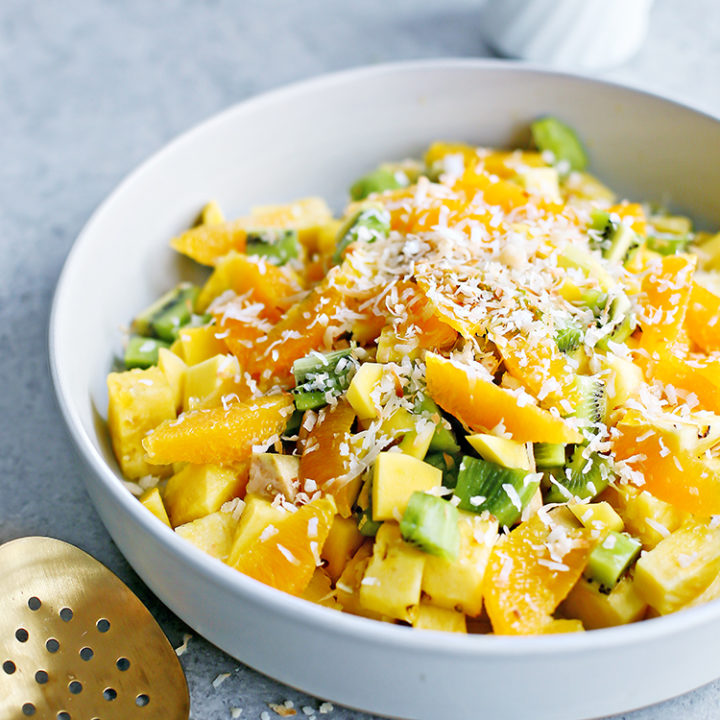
(173, 367)
(392, 581)
(396, 476)
(256, 516)
(458, 583)
(599, 610)
(209, 242)
(363, 384)
(209, 381)
(320, 590)
(221, 436)
(645, 517)
(528, 575)
(417, 441)
(623, 381)
(703, 318)
(562, 625)
(505, 452)
(152, 500)
(679, 567)
(481, 405)
(671, 472)
(196, 344)
(430, 617)
(213, 533)
(211, 214)
(342, 543)
(598, 516)
(138, 400)
(285, 555)
(198, 490)
(347, 588)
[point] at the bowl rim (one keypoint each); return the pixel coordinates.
(214, 571)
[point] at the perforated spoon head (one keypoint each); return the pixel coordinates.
(77, 644)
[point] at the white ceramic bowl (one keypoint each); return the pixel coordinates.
(315, 138)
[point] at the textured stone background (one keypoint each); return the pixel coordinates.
(88, 90)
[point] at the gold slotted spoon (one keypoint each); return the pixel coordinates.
(77, 644)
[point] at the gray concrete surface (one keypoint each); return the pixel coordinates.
(89, 89)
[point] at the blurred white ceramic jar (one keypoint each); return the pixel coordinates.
(571, 34)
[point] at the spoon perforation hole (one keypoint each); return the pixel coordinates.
(41, 677)
(109, 694)
(62, 715)
(28, 709)
(86, 654)
(22, 635)
(34, 603)
(52, 645)
(66, 614)
(122, 664)
(75, 687)
(9, 667)
(103, 625)
(142, 700)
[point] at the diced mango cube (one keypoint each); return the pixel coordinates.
(417, 442)
(212, 214)
(431, 617)
(139, 400)
(213, 533)
(152, 500)
(173, 367)
(365, 380)
(679, 567)
(458, 583)
(198, 490)
(207, 382)
(599, 610)
(503, 451)
(201, 343)
(396, 477)
(258, 514)
(391, 584)
(342, 543)
(598, 516)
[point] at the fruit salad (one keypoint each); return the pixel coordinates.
(484, 399)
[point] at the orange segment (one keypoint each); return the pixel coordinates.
(541, 368)
(524, 582)
(266, 283)
(219, 436)
(665, 296)
(671, 473)
(327, 455)
(481, 405)
(694, 375)
(206, 244)
(286, 554)
(703, 318)
(301, 330)
(631, 214)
